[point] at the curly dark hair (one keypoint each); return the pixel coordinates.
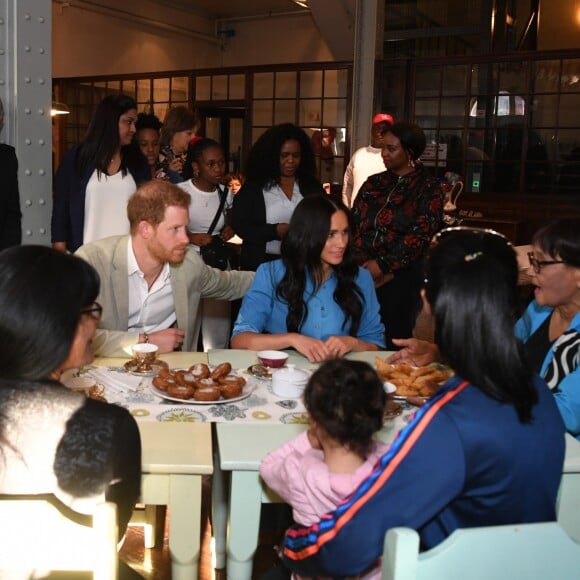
(347, 399)
(148, 121)
(263, 165)
(301, 249)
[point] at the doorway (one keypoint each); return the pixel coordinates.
(226, 126)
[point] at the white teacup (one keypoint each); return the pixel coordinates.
(145, 354)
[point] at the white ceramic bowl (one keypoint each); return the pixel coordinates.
(289, 383)
(80, 384)
(272, 358)
(389, 387)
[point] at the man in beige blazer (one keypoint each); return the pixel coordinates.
(151, 281)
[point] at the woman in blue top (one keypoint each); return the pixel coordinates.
(550, 327)
(315, 299)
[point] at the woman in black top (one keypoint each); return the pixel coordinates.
(53, 440)
(281, 170)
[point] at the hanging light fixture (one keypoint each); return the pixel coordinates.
(302, 3)
(59, 109)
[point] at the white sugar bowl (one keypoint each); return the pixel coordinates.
(289, 382)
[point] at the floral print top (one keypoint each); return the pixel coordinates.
(396, 217)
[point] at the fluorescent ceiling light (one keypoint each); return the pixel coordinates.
(303, 3)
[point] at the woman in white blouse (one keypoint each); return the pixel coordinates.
(208, 165)
(96, 178)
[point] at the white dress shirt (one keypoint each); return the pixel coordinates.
(279, 210)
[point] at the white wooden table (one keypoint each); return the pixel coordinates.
(175, 456)
(241, 447)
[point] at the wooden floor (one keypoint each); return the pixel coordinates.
(155, 563)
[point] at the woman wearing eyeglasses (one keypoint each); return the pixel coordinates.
(550, 326)
(54, 440)
(487, 449)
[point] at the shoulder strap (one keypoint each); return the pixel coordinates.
(223, 193)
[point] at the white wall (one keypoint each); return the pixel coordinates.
(87, 42)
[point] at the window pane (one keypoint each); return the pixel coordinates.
(160, 109)
(309, 113)
(262, 113)
(454, 80)
(334, 112)
(237, 86)
(544, 111)
(513, 77)
(114, 86)
(546, 76)
(179, 88)
(144, 91)
(219, 89)
(335, 83)
(452, 112)
(128, 88)
(284, 111)
(263, 85)
(286, 85)
(311, 83)
(428, 81)
(571, 76)
(161, 90)
(484, 79)
(569, 107)
(202, 88)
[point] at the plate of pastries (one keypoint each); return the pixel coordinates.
(201, 384)
(410, 381)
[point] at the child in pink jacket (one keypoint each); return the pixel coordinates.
(314, 472)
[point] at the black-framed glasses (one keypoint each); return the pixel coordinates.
(95, 310)
(537, 265)
(486, 231)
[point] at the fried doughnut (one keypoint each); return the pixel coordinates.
(232, 380)
(207, 394)
(199, 370)
(163, 383)
(181, 391)
(164, 373)
(206, 383)
(221, 370)
(184, 378)
(231, 390)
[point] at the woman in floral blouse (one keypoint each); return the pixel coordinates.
(395, 215)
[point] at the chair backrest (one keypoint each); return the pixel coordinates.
(522, 552)
(37, 535)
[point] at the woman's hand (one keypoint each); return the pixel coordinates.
(199, 239)
(415, 352)
(313, 349)
(338, 346)
(227, 233)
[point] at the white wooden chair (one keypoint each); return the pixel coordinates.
(514, 552)
(37, 535)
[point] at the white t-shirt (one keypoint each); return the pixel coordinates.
(203, 207)
(279, 210)
(365, 162)
(106, 205)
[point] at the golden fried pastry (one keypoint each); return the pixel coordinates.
(205, 383)
(199, 370)
(207, 394)
(231, 390)
(221, 370)
(181, 391)
(232, 380)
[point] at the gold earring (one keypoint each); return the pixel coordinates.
(411, 162)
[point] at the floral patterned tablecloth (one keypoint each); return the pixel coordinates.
(262, 405)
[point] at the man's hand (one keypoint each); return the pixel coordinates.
(418, 353)
(167, 340)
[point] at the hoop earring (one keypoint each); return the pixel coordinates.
(411, 163)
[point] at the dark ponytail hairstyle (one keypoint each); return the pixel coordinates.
(471, 285)
(301, 249)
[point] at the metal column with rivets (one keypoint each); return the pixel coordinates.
(26, 91)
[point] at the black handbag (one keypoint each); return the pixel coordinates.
(217, 253)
